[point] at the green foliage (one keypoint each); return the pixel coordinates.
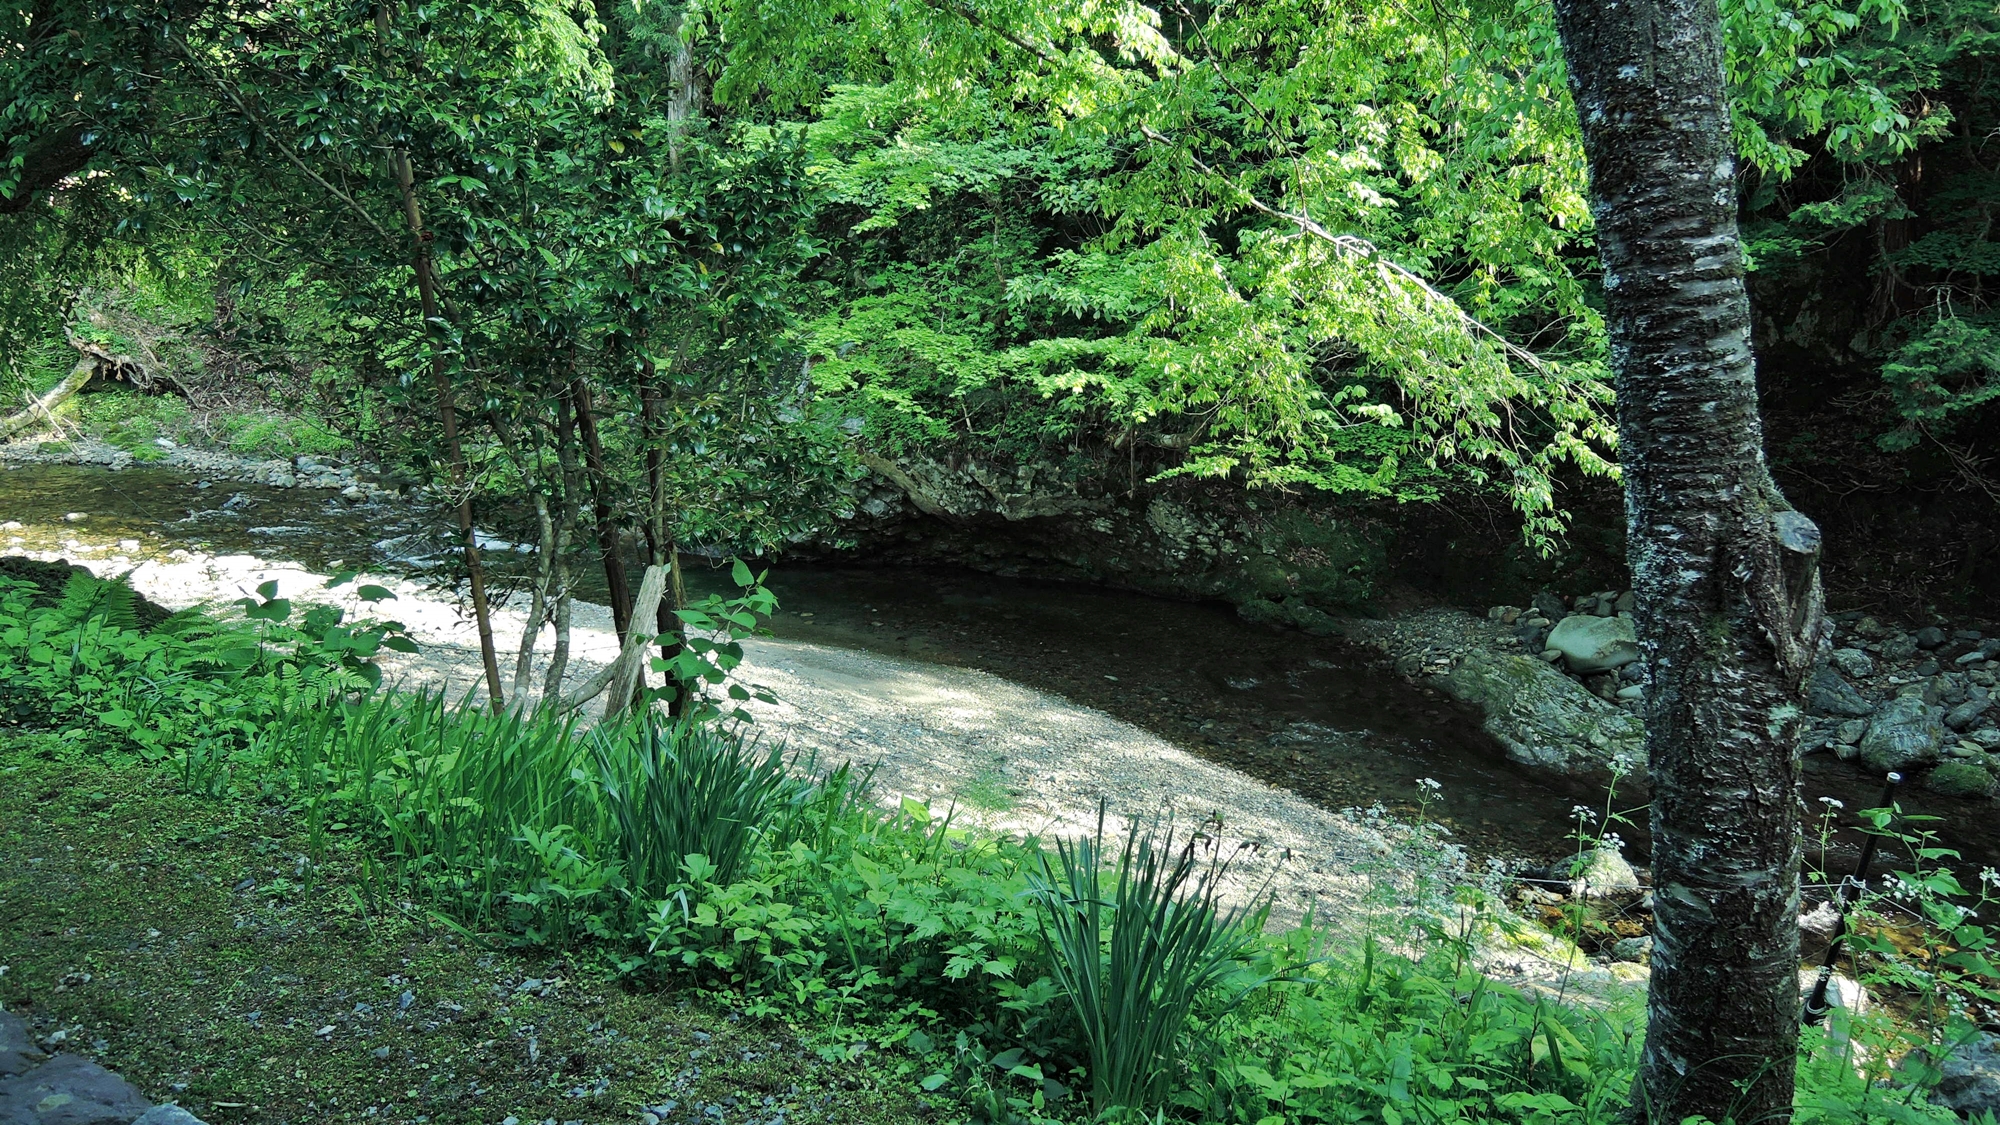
(187, 685)
(1134, 963)
(686, 793)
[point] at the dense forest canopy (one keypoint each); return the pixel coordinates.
(1324, 246)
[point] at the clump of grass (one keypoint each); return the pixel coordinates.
(677, 790)
(1135, 962)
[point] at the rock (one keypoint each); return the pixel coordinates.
(1904, 732)
(1595, 644)
(167, 1115)
(1633, 949)
(1632, 691)
(1548, 605)
(1626, 603)
(1930, 636)
(1970, 658)
(1960, 779)
(1552, 655)
(18, 1052)
(1544, 718)
(70, 1090)
(1604, 873)
(1967, 713)
(1851, 662)
(1851, 731)
(1828, 694)
(1969, 1080)
(1927, 668)
(1820, 920)
(1901, 646)
(1986, 738)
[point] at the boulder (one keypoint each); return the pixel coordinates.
(1595, 644)
(1960, 779)
(1605, 872)
(1904, 732)
(1828, 694)
(1969, 1077)
(70, 1090)
(1544, 718)
(1851, 662)
(17, 1048)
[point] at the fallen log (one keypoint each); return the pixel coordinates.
(43, 410)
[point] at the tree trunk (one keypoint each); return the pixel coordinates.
(608, 543)
(1729, 610)
(420, 262)
(659, 537)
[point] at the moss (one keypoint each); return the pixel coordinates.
(1961, 779)
(226, 973)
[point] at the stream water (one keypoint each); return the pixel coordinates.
(1315, 715)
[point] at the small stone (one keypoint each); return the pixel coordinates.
(1626, 603)
(380, 1052)
(1930, 636)
(1973, 657)
(1968, 713)
(76, 517)
(1902, 646)
(1927, 668)
(1632, 949)
(1967, 636)
(1987, 738)
(1631, 691)
(1851, 731)
(1552, 654)
(1851, 662)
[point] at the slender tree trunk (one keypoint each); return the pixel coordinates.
(1729, 610)
(538, 608)
(659, 537)
(608, 538)
(567, 505)
(448, 422)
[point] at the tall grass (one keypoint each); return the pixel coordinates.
(1135, 962)
(681, 790)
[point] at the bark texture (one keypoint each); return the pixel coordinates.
(1729, 610)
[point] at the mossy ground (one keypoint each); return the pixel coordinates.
(181, 942)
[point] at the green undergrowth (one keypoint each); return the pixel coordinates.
(175, 939)
(682, 872)
(136, 422)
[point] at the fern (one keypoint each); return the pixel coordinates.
(111, 601)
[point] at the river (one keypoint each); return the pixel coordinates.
(1323, 718)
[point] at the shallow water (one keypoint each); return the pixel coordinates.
(1315, 715)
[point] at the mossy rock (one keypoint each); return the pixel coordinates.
(1326, 560)
(1960, 779)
